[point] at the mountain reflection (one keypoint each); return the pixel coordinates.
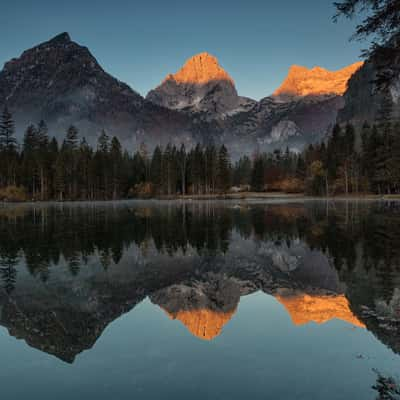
(67, 271)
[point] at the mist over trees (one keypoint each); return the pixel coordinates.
(350, 161)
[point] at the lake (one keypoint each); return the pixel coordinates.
(199, 300)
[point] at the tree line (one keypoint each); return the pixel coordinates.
(40, 168)
(72, 170)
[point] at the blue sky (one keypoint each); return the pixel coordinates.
(139, 42)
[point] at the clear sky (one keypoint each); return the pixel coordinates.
(139, 42)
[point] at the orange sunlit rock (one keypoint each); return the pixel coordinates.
(204, 324)
(302, 81)
(200, 69)
(319, 309)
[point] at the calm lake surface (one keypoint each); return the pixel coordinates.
(199, 300)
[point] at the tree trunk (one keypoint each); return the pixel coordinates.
(326, 186)
(346, 177)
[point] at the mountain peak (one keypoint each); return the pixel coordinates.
(61, 38)
(201, 85)
(302, 81)
(201, 69)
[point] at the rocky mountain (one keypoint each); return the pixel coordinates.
(61, 82)
(302, 82)
(273, 124)
(200, 86)
(363, 99)
(302, 111)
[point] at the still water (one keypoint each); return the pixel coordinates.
(199, 300)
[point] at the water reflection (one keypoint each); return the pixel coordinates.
(69, 271)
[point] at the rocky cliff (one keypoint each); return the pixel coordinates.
(364, 100)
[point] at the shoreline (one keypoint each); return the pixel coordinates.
(244, 196)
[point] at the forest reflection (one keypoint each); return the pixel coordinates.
(42, 236)
(320, 260)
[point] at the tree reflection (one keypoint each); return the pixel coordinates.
(348, 233)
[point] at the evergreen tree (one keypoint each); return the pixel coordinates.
(242, 171)
(224, 170)
(8, 149)
(156, 168)
(60, 175)
(43, 158)
(8, 142)
(211, 168)
(71, 139)
(116, 162)
(102, 165)
(182, 165)
(258, 175)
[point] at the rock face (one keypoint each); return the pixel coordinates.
(301, 112)
(61, 82)
(200, 86)
(272, 124)
(317, 81)
(363, 100)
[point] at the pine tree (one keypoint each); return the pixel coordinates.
(242, 171)
(85, 181)
(8, 148)
(60, 174)
(156, 168)
(42, 158)
(258, 174)
(210, 168)
(145, 157)
(182, 165)
(394, 158)
(8, 142)
(197, 169)
(71, 154)
(102, 161)
(29, 166)
(170, 168)
(224, 170)
(334, 154)
(71, 139)
(348, 155)
(116, 162)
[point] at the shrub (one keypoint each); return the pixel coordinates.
(292, 185)
(13, 194)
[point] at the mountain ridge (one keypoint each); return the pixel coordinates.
(61, 82)
(317, 81)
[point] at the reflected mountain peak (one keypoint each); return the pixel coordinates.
(204, 324)
(204, 306)
(306, 308)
